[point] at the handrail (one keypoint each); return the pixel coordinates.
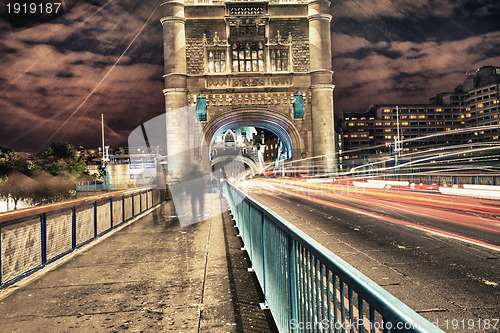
(303, 282)
(29, 211)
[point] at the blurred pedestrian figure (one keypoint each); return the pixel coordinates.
(195, 187)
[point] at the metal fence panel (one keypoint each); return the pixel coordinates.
(137, 204)
(128, 207)
(59, 232)
(21, 247)
(103, 216)
(117, 211)
(84, 223)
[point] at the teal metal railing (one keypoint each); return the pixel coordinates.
(93, 186)
(308, 288)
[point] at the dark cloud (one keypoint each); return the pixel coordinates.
(57, 78)
(407, 52)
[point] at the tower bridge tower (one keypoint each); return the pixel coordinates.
(254, 63)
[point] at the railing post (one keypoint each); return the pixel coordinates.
(43, 225)
(133, 208)
(264, 256)
(140, 202)
(1, 256)
(111, 213)
(95, 218)
(73, 227)
(123, 208)
(292, 279)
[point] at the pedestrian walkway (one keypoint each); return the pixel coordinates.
(151, 276)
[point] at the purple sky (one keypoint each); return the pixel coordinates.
(57, 78)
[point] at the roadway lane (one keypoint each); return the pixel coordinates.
(439, 256)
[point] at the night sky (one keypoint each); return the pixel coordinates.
(105, 56)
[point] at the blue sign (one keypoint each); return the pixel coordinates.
(201, 108)
(298, 106)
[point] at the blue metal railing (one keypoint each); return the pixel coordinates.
(36, 236)
(93, 186)
(308, 288)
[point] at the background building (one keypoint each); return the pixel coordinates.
(467, 115)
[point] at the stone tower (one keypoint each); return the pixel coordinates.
(252, 63)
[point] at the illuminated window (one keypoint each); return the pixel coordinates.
(216, 61)
(405, 123)
(387, 123)
(439, 110)
(387, 130)
(388, 137)
(467, 109)
(413, 117)
(279, 60)
(468, 115)
(421, 117)
(351, 124)
(462, 116)
(378, 124)
(248, 57)
(346, 136)
(480, 105)
(448, 129)
(354, 136)
(361, 124)
(387, 117)
(387, 110)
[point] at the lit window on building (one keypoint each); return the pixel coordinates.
(387, 117)
(279, 60)
(480, 105)
(248, 57)
(350, 124)
(421, 117)
(387, 130)
(388, 137)
(387, 110)
(439, 110)
(216, 61)
(378, 124)
(405, 123)
(413, 117)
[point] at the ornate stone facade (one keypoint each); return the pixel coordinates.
(249, 59)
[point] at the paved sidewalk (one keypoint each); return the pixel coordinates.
(151, 276)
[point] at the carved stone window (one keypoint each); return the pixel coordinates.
(248, 57)
(216, 61)
(279, 60)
